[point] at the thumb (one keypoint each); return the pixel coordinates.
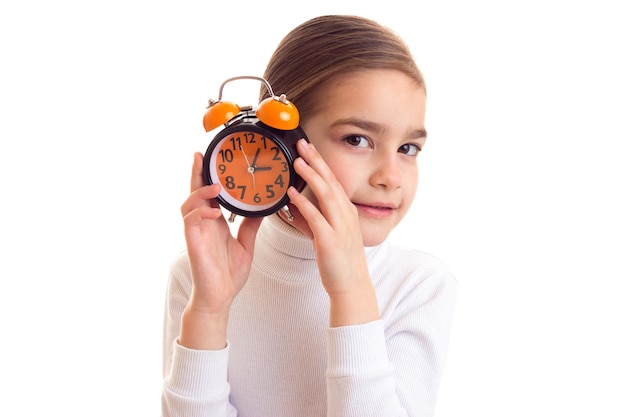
(247, 232)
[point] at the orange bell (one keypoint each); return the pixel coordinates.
(279, 113)
(219, 113)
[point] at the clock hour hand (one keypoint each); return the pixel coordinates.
(262, 169)
(256, 156)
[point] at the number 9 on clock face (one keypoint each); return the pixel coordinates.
(254, 167)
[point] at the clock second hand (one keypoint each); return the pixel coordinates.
(250, 167)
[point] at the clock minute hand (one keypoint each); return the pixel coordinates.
(251, 168)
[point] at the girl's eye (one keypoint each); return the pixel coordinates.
(410, 149)
(357, 141)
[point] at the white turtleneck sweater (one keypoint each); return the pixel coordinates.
(283, 359)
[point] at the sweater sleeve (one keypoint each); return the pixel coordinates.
(359, 376)
(392, 367)
(194, 381)
(197, 384)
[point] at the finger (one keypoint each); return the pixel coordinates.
(314, 181)
(317, 174)
(334, 210)
(197, 177)
(328, 192)
(316, 221)
(197, 180)
(309, 153)
(203, 196)
(197, 216)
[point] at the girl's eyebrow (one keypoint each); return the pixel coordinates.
(375, 127)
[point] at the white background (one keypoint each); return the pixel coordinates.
(522, 190)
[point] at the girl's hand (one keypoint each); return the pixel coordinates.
(220, 264)
(336, 232)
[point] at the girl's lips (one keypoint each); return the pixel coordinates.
(379, 211)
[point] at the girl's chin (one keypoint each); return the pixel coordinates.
(374, 235)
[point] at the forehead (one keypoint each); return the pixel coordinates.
(379, 96)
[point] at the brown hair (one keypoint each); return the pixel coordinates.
(327, 46)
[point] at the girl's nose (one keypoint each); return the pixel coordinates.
(387, 173)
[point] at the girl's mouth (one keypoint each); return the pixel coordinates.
(375, 210)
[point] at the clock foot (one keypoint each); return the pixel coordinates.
(232, 217)
(287, 213)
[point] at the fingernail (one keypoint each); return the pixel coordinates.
(304, 142)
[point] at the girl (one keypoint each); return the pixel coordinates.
(319, 316)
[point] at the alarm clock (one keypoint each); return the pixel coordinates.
(252, 157)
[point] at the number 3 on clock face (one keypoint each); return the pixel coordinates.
(254, 167)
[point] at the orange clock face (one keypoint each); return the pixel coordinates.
(252, 170)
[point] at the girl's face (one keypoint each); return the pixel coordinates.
(369, 129)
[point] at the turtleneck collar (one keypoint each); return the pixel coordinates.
(290, 241)
(285, 238)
